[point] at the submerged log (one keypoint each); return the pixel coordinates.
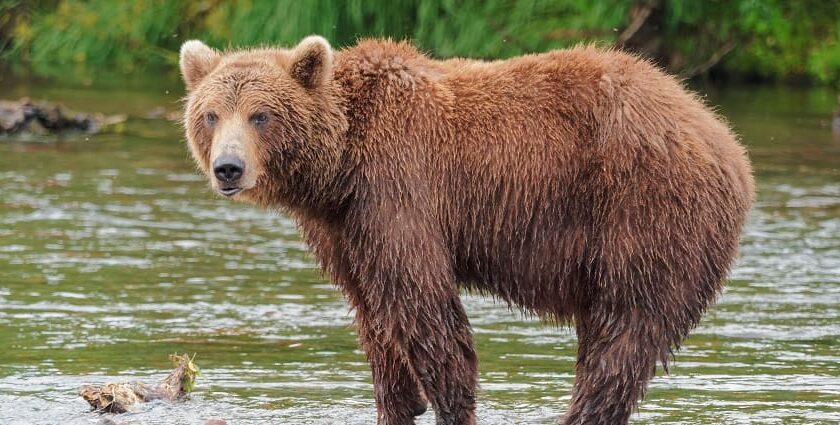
(26, 116)
(118, 397)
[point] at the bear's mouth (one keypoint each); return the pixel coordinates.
(230, 191)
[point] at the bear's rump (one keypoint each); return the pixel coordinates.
(653, 237)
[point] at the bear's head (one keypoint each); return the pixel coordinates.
(265, 125)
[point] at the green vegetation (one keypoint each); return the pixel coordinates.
(754, 39)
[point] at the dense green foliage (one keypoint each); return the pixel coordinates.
(766, 39)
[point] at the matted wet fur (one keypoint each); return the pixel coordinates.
(582, 185)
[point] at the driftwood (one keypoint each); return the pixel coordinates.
(26, 116)
(118, 397)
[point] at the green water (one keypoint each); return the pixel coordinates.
(114, 253)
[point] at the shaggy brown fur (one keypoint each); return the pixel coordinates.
(583, 185)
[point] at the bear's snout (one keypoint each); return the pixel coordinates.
(228, 169)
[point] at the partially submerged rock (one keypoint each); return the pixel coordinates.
(118, 397)
(26, 116)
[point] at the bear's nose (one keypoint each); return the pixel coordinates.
(228, 168)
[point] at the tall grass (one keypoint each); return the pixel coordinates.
(765, 38)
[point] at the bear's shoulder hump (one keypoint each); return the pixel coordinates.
(394, 61)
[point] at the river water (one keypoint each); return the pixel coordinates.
(114, 253)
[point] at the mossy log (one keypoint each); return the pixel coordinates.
(118, 397)
(25, 116)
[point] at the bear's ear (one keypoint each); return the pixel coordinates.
(311, 63)
(197, 60)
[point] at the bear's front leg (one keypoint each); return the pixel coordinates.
(413, 310)
(397, 392)
(431, 340)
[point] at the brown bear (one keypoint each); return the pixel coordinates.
(582, 185)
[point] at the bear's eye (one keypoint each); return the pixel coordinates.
(210, 118)
(259, 119)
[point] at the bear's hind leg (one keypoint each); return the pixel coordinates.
(617, 354)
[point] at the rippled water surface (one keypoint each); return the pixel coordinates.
(114, 254)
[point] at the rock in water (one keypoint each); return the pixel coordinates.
(118, 397)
